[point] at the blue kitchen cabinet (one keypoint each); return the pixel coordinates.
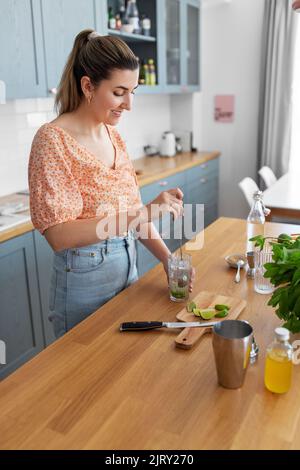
(21, 326)
(180, 45)
(174, 44)
(44, 261)
(37, 37)
(62, 20)
(200, 186)
(22, 66)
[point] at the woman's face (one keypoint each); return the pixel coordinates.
(113, 96)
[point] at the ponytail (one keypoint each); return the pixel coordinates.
(93, 56)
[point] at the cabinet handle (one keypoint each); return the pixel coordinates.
(203, 180)
(163, 183)
(53, 91)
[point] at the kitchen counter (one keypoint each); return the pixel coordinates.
(154, 168)
(22, 227)
(149, 169)
(97, 388)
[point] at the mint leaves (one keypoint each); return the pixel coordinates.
(284, 273)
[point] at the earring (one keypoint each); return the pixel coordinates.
(89, 99)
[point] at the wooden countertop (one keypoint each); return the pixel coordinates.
(152, 169)
(97, 388)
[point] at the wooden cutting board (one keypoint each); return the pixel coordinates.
(189, 336)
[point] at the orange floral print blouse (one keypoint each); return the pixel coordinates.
(67, 182)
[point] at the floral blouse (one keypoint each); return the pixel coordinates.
(67, 182)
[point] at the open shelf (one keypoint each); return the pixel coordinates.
(131, 37)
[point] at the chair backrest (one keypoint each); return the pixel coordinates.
(248, 186)
(268, 176)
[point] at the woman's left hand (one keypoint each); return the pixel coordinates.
(193, 275)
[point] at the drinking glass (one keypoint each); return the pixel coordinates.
(262, 285)
(179, 270)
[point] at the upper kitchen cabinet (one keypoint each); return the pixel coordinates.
(38, 35)
(173, 43)
(22, 65)
(192, 56)
(62, 20)
(181, 45)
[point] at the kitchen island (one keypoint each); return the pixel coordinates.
(97, 388)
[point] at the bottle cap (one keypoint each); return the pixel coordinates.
(282, 334)
(258, 194)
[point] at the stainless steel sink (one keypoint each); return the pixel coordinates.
(9, 221)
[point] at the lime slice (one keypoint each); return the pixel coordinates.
(190, 307)
(197, 312)
(221, 307)
(207, 313)
(222, 314)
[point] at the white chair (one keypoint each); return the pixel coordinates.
(248, 186)
(267, 175)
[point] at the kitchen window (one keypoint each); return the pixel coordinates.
(295, 144)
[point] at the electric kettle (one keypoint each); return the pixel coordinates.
(168, 145)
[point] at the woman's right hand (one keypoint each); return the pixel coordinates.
(170, 201)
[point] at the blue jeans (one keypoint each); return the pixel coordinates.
(85, 278)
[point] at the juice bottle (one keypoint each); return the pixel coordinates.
(278, 369)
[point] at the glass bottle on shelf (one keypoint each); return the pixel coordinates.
(255, 221)
(142, 77)
(132, 16)
(118, 22)
(111, 19)
(146, 25)
(279, 365)
(152, 72)
(122, 10)
(147, 74)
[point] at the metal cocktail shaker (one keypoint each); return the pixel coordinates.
(232, 342)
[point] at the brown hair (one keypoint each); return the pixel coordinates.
(93, 56)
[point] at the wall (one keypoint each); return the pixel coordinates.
(230, 64)
(20, 119)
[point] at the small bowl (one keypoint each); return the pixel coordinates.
(233, 259)
(127, 28)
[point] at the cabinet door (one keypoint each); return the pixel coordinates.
(44, 260)
(21, 49)
(193, 43)
(20, 316)
(190, 45)
(173, 42)
(62, 21)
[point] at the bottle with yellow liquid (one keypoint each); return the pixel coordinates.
(278, 370)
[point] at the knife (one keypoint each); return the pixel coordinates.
(152, 325)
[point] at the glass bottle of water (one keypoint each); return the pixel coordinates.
(132, 15)
(256, 220)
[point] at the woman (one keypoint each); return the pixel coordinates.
(84, 194)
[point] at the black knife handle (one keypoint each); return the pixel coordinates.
(140, 325)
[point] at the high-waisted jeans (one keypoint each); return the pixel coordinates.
(85, 278)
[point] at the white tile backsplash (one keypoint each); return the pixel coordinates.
(20, 119)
